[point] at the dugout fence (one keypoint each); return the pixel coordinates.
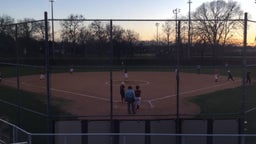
(132, 131)
(105, 45)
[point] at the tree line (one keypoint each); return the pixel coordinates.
(212, 27)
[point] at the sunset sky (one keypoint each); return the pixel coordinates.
(108, 9)
(155, 9)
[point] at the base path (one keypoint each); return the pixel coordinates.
(89, 93)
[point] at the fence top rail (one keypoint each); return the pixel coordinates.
(142, 134)
(41, 20)
(145, 20)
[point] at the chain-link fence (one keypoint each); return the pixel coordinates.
(31, 61)
(136, 41)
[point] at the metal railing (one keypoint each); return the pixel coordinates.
(18, 135)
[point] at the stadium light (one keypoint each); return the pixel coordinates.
(176, 12)
(51, 1)
(157, 39)
(178, 130)
(189, 27)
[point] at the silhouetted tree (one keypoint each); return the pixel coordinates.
(71, 29)
(169, 29)
(40, 35)
(7, 47)
(214, 25)
(85, 39)
(131, 37)
(100, 36)
(117, 39)
(5, 26)
(28, 29)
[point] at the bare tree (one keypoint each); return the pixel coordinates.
(5, 21)
(85, 39)
(168, 28)
(117, 32)
(99, 31)
(84, 36)
(71, 29)
(28, 28)
(40, 30)
(27, 31)
(131, 37)
(215, 25)
(100, 36)
(7, 46)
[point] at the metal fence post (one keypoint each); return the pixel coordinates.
(124, 139)
(243, 109)
(29, 139)
(47, 78)
(14, 135)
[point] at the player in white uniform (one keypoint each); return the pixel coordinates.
(125, 74)
(71, 70)
(42, 75)
(216, 75)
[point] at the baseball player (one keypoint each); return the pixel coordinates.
(125, 73)
(71, 70)
(230, 76)
(42, 76)
(137, 97)
(248, 77)
(216, 75)
(122, 91)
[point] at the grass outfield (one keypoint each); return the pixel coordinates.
(33, 116)
(227, 104)
(11, 71)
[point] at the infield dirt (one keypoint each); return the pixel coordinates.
(89, 93)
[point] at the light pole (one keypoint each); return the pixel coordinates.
(176, 12)
(189, 27)
(52, 28)
(157, 25)
(178, 128)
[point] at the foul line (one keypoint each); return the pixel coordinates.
(79, 94)
(183, 93)
(116, 101)
(63, 91)
(250, 110)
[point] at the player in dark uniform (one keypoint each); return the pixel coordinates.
(230, 76)
(122, 92)
(137, 97)
(248, 77)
